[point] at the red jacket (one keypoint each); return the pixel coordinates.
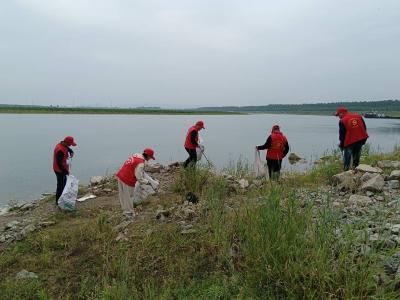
(127, 172)
(276, 150)
(64, 149)
(355, 128)
(188, 141)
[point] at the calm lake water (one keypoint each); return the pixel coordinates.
(105, 141)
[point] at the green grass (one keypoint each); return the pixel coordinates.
(269, 245)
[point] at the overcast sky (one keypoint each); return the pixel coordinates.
(196, 53)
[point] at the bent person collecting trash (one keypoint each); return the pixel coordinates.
(62, 152)
(352, 136)
(277, 148)
(132, 181)
(192, 143)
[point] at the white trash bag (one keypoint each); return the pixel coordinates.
(200, 149)
(153, 182)
(142, 191)
(68, 197)
(259, 167)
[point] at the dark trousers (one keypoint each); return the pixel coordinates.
(61, 181)
(192, 159)
(274, 168)
(352, 152)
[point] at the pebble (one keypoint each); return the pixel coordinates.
(24, 274)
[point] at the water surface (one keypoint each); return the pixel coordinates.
(105, 141)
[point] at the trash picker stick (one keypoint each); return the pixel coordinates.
(206, 158)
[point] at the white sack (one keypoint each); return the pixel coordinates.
(142, 191)
(68, 197)
(153, 182)
(200, 149)
(259, 167)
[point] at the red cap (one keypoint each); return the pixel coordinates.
(200, 124)
(69, 140)
(149, 152)
(275, 128)
(340, 110)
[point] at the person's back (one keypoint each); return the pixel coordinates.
(277, 148)
(352, 136)
(355, 129)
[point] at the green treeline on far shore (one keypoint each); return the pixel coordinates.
(33, 109)
(390, 107)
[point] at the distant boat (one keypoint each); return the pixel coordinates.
(376, 115)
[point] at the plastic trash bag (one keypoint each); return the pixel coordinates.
(142, 191)
(68, 197)
(259, 167)
(154, 183)
(200, 149)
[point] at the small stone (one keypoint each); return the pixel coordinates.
(2, 238)
(257, 182)
(12, 225)
(121, 237)
(379, 279)
(28, 206)
(243, 183)
(46, 223)
(189, 231)
(395, 175)
(293, 158)
(123, 225)
(368, 168)
(375, 184)
(389, 164)
(189, 213)
(379, 198)
(18, 236)
(96, 180)
(345, 180)
(162, 213)
(393, 264)
(369, 193)
(174, 164)
(359, 200)
(24, 274)
(394, 202)
(28, 229)
(395, 229)
(367, 176)
(152, 168)
(107, 190)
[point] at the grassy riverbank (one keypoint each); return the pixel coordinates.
(105, 111)
(268, 242)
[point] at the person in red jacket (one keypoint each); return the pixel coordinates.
(352, 136)
(131, 173)
(62, 152)
(277, 148)
(192, 142)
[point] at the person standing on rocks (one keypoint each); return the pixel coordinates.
(192, 143)
(62, 152)
(277, 148)
(352, 136)
(131, 173)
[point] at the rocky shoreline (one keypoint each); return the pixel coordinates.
(368, 198)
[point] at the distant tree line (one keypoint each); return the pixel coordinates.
(360, 106)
